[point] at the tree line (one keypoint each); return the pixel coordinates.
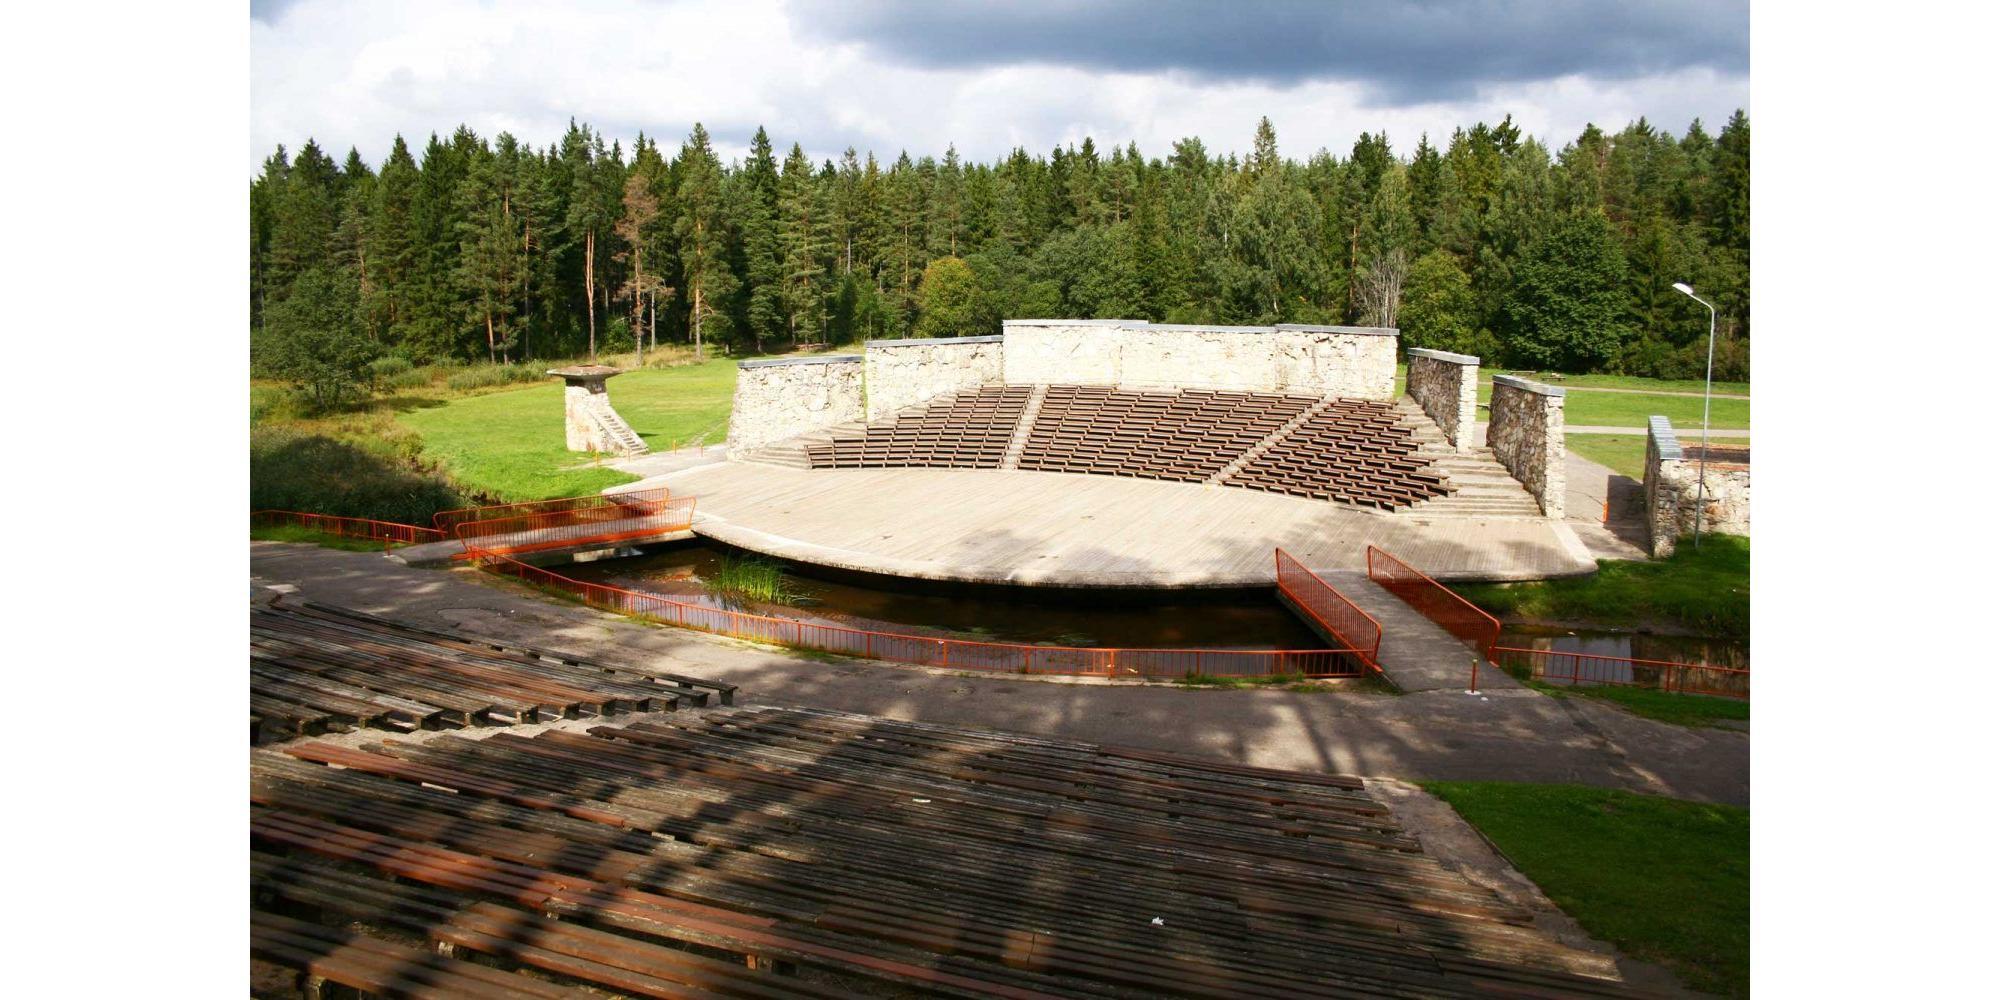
(1487, 243)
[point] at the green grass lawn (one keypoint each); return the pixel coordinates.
(1679, 709)
(1619, 409)
(295, 533)
(509, 445)
(1707, 591)
(1664, 880)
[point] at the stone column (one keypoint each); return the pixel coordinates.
(1526, 435)
(1446, 386)
(580, 384)
(1674, 489)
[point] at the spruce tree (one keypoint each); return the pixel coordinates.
(704, 237)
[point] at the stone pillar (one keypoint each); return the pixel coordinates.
(1526, 435)
(1674, 489)
(781, 398)
(584, 395)
(904, 373)
(1446, 385)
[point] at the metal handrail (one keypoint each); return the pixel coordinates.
(930, 650)
(388, 532)
(1285, 562)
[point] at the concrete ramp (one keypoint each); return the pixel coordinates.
(1417, 655)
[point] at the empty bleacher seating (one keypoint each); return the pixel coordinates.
(1352, 451)
(1186, 436)
(968, 430)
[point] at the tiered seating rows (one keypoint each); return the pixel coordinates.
(794, 852)
(316, 668)
(966, 430)
(1352, 451)
(1185, 436)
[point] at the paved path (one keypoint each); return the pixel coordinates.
(1623, 534)
(1515, 735)
(1416, 653)
(1059, 529)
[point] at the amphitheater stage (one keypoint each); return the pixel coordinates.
(1069, 530)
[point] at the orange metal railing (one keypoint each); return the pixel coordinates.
(448, 520)
(932, 651)
(1561, 667)
(1463, 619)
(1453, 613)
(596, 520)
(1319, 599)
(389, 533)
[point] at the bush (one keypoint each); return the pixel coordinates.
(488, 376)
(298, 470)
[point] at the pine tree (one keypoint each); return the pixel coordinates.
(704, 236)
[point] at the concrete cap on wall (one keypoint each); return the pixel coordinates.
(1457, 359)
(1073, 322)
(1517, 382)
(820, 359)
(1665, 441)
(921, 341)
(1365, 331)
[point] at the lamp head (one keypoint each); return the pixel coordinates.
(1683, 288)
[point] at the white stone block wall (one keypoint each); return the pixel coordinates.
(1066, 351)
(902, 373)
(1675, 486)
(782, 398)
(1525, 431)
(1307, 360)
(1446, 386)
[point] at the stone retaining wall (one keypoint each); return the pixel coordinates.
(1446, 385)
(783, 398)
(1290, 358)
(1675, 484)
(1525, 431)
(903, 373)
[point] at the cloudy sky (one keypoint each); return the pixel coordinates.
(889, 75)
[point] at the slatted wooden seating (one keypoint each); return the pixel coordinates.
(967, 430)
(1352, 451)
(795, 852)
(316, 668)
(1185, 436)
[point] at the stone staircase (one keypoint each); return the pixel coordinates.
(791, 452)
(1481, 486)
(1022, 429)
(614, 430)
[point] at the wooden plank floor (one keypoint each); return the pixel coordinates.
(766, 852)
(1059, 529)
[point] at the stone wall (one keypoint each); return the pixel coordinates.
(1525, 431)
(1446, 385)
(1675, 485)
(903, 373)
(1308, 360)
(783, 398)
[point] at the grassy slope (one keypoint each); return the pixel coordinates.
(1666, 881)
(1679, 709)
(1706, 591)
(509, 445)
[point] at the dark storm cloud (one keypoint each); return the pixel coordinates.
(1408, 52)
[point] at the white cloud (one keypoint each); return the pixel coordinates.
(357, 73)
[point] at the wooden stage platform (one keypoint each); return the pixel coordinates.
(1062, 529)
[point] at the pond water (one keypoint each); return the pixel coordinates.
(1181, 619)
(1617, 646)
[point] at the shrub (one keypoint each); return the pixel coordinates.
(488, 376)
(299, 470)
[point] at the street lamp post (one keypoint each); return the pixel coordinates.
(1708, 380)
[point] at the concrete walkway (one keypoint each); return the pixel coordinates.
(1513, 735)
(1417, 655)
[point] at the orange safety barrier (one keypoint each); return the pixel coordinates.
(597, 520)
(448, 520)
(1560, 667)
(389, 533)
(1453, 613)
(931, 651)
(1331, 608)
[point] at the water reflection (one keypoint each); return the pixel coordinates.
(1180, 619)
